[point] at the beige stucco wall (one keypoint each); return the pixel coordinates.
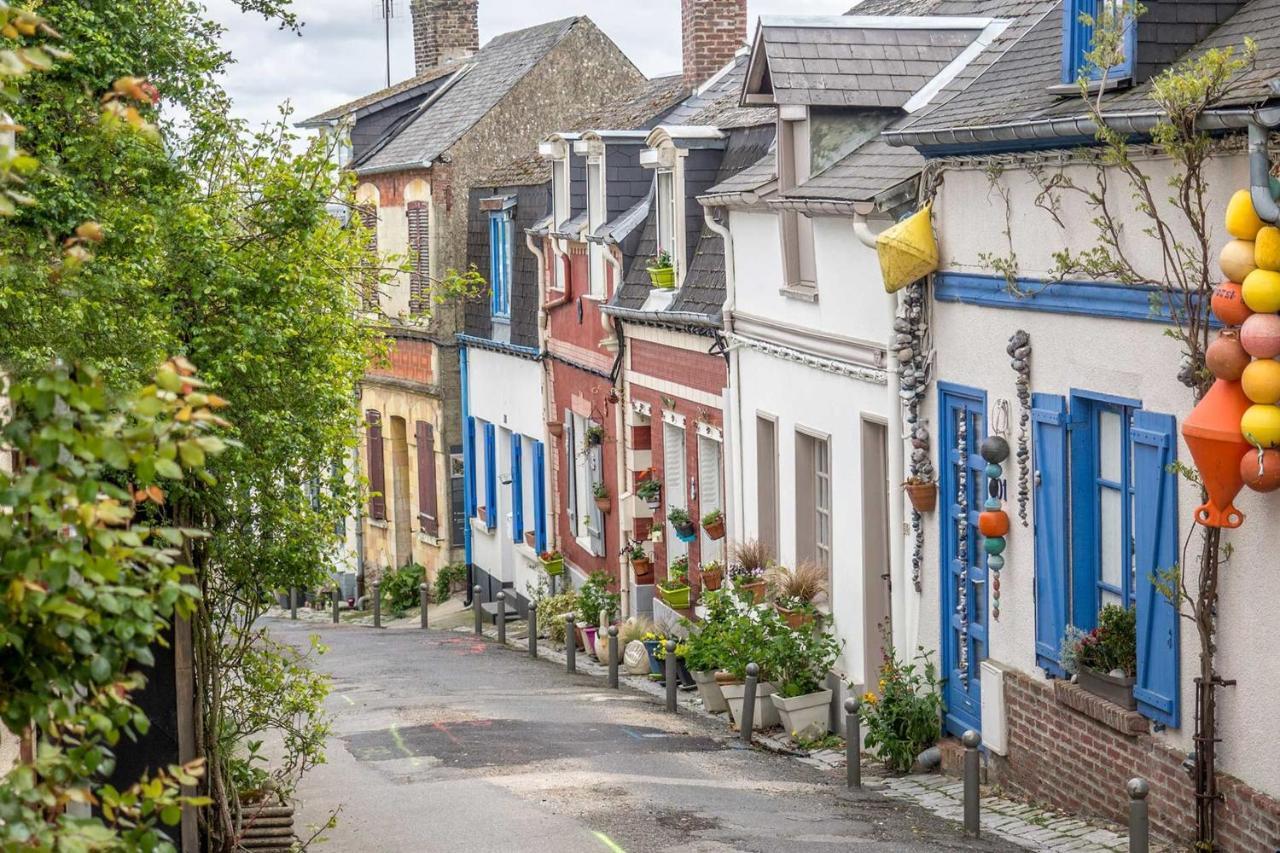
(1130, 358)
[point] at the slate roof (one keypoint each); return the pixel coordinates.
(717, 104)
(397, 92)
(870, 170)
(751, 179)
(482, 82)
(1009, 87)
(524, 171)
(856, 60)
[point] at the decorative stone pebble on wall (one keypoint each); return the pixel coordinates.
(962, 544)
(910, 331)
(1019, 351)
(993, 522)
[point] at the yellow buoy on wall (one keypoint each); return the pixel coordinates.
(908, 251)
(1261, 426)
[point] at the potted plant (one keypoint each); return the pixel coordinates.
(713, 523)
(922, 492)
(594, 435)
(530, 537)
(750, 561)
(683, 675)
(556, 428)
(597, 605)
(800, 663)
(650, 491)
(795, 590)
(601, 492)
(748, 637)
(905, 717)
(1105, 660)
(482, 514)
(675, 589)
(705, 649)
(712, 575)
(652, 640)
(682, 524)
(552, 563)
(662, 272)
(640, 562)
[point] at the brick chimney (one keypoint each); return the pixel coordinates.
(444, 31)
(712, 31)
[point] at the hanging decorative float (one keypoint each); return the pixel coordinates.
(993, 522)
(1234, 432)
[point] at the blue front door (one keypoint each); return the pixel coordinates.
(964, 561)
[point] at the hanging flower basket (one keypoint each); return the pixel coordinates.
(923, 496)
(676, 596)
(552, 563)
(712, 576)
(713, 523)
(603, 504)
(644, 570)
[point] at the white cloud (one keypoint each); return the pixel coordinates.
(340, 54)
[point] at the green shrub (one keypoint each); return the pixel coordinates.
(449, 578)
(906, 718)
(800, 659)
(400, 588)
(551, 613)
(594, 597)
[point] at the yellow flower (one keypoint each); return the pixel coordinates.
(882, 684)
(869, 697)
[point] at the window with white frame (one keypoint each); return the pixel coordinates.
(501, 254)
(595, 218)
(813, 499)
(668, 220)
(586, 470)
(710, 492)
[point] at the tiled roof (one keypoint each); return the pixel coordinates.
(404, 87)
(646, 110)
(756, 176)
(718, 104)
(484, 80)
(859, 66)
(522, 172)
(863, 174)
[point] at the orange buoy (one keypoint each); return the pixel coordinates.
(1260, 469)
(1212, 433)
(1228, 304)
(1225, 356)
(993, 523)
(1260, 335)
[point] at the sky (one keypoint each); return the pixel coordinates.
(341, 52)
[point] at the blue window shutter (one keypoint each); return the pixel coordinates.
(1156, 533)
(1049, 437)
(469, 469)
(490, 476)
(517, 487)
(539, 496)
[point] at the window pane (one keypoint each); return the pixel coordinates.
(1113, 557)
(1109, 597)
(1110, 445)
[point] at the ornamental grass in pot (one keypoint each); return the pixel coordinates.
(1105, 660)
(751, 559)
(795, 591)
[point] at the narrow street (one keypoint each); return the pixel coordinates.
(443, 742)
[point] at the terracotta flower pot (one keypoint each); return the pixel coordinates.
(715, 531)
(712, 578)
(530, 537)
(795, 619)
(603, 504)
(756, 588)
(644, 570)
(923, 496)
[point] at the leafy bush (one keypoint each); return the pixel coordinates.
(594, 597)
(800, 659)
(449, 578)
(399, 588)
(706, 648)
(551, 613)
(906, 718)
(1113, 645)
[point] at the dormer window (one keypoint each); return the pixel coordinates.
(593, 150)
(556, 152)
(1083, 22)
(502, 243)
(668, 217)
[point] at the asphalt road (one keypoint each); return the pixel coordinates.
(446, 743)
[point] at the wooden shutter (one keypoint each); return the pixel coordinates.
(418, 214)
(767, 483)
(469, 472)
(673, 483)
(571, 469)
(369, 284)
(427, 511)
(377, 473)
(709, 489)
(517, 487)
(1156, 534)
(490, 476)
(539, 496)
(1049, 438)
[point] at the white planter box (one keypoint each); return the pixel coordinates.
(710, 693)
(765, 715)
(807, 715)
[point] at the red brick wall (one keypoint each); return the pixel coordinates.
(683, 367)
(391, 185)
(1064, 758)
(711, 32)
(408, 359)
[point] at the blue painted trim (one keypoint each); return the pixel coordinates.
(468, 455)
(1100, 397)
(497, 346)
(1083, 298)
(517, 487)
(490, 476)
(1005, 146)
(1077, 40)
(539, 496)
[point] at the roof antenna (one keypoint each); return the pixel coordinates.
(386, 9)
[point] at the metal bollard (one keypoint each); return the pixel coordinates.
(533, 629)
(377, 604)
(501, 611)
(671, 676)
(971, 741)
(613, 656)
(422, 602)
(748, 722)
(337, 593)
(1139, 818)
(293, 602)
(475, 607)
(853, 741)
(570, 645)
